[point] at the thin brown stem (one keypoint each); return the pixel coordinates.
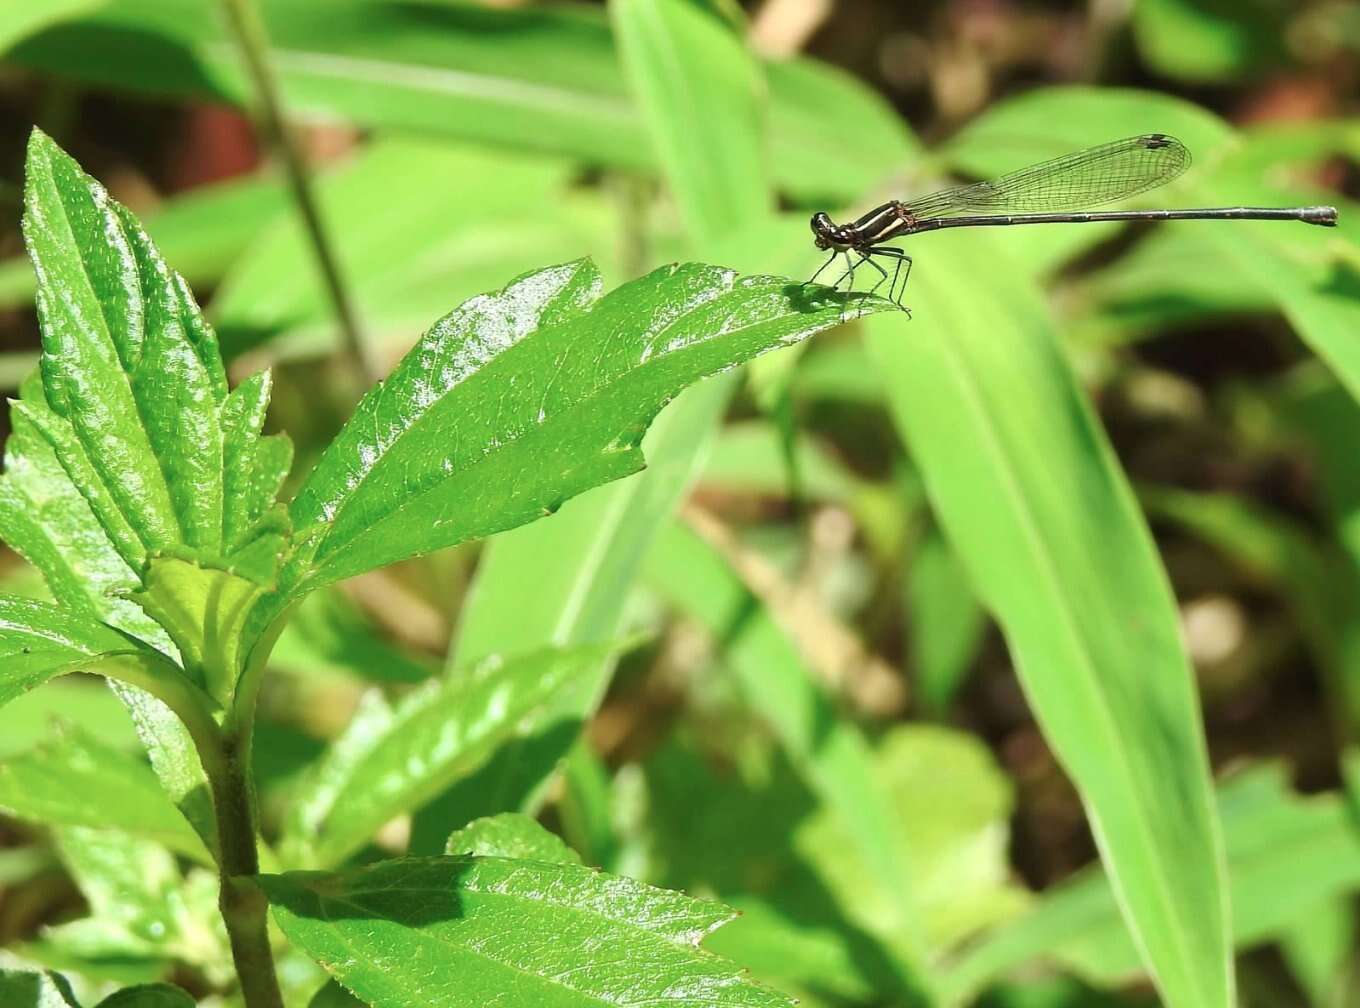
(254, 40)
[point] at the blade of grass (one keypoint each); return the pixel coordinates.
(1028, 491)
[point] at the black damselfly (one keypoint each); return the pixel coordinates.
(1046, 193)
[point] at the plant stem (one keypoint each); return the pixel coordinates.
(243, 905)
(254, 40)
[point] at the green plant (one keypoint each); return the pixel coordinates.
(143, 489)
(916, 697)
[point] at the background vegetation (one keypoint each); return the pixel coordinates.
(862, 566)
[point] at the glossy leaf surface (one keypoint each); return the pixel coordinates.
(136, 402)
(48, 521)
(39, 641)
(454, 932)
(520, 399)
(201, 231)
(585, 562)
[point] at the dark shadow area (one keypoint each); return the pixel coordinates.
(502, 785)
(414, 892)
(80, 51)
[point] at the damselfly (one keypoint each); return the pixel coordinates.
(1050, 192)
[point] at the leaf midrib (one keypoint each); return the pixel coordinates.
(527, 431)
(104, 213)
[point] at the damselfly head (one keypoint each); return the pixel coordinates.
(828, 235)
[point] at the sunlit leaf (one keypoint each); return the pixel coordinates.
(1027, 490)
(520, 399)
(452, 931)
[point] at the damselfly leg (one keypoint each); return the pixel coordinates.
(896, 290)
(855, 258)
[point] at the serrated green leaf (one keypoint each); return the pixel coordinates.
(148, 996)
(201, 231)
(246, 482)
(102, 307)
(520, 399)
(393, 760)
(46, 520)
(20, 989)
(510, 835)
(68, 782)
(39, 641)
(457, 932)
(137, 409)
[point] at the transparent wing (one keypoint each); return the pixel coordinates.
(1087, 178)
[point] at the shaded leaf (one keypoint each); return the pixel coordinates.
(148, 996)
(523, 932)
(20, 989)
(173, 757)
(18, 21)
(826, 748)
(144, 915)
(329, 631)
(392, 760)
(334, 996)
(67, 781)
(1286, 854)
